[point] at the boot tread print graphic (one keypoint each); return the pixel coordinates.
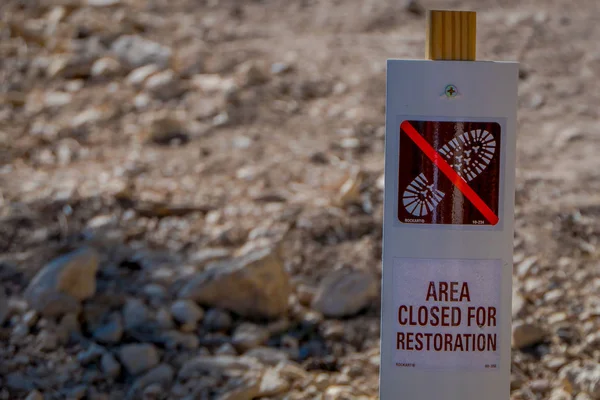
(420, 197)
(468, 154)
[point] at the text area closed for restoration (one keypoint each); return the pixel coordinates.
(446, 313)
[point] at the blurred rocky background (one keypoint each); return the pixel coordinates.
(191, 195)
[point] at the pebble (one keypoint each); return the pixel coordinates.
(161, 375)
(137, 358)
(155, 292)
(164, 85)
(226, 349)
(64, 282)
(414, 7)
(164, 319)
(187, 312)
(111, 331)
(30, 318)
(135, 314)
(539, 385)
(214, 364)
(339, 393)
(526, 334)
(272, 383)
(153, 392)
(18, 381)
(57, 99)
(239, 285)
(34, 395)
(555, 363)
(105, 66)
(251, 73)
(216, 320)
(248, 336)
(305, 294)
(518, 303)
(137, 51)
(268, 355)
(90, 355)
(280, 68)
(47, 341)
(110, 366)
(524, 267)
(20, 331)
(138, 76)
(560, 394)
(345, 292)
(77, 393)
(175, 339)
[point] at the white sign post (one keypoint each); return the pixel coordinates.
(448, 220)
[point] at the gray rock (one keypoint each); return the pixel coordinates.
(187, 312)
(248, 336)
(138, 358)
(137, 51)
(345, 292)
(525, 334)
(110, 366)
(90, 355)
(111, 331)
(136, 314)
(64, 282)
(216, 320)
(252, 285)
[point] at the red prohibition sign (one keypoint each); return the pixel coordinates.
(449, 172)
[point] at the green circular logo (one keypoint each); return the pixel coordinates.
(451, 91)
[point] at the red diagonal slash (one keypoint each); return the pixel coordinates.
(447, 170)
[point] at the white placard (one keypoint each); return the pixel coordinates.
(447, 314)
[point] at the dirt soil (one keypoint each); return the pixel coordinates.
(144, 141)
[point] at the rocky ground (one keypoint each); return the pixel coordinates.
(187, 185)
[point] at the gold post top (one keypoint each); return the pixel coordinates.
(451, 35)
